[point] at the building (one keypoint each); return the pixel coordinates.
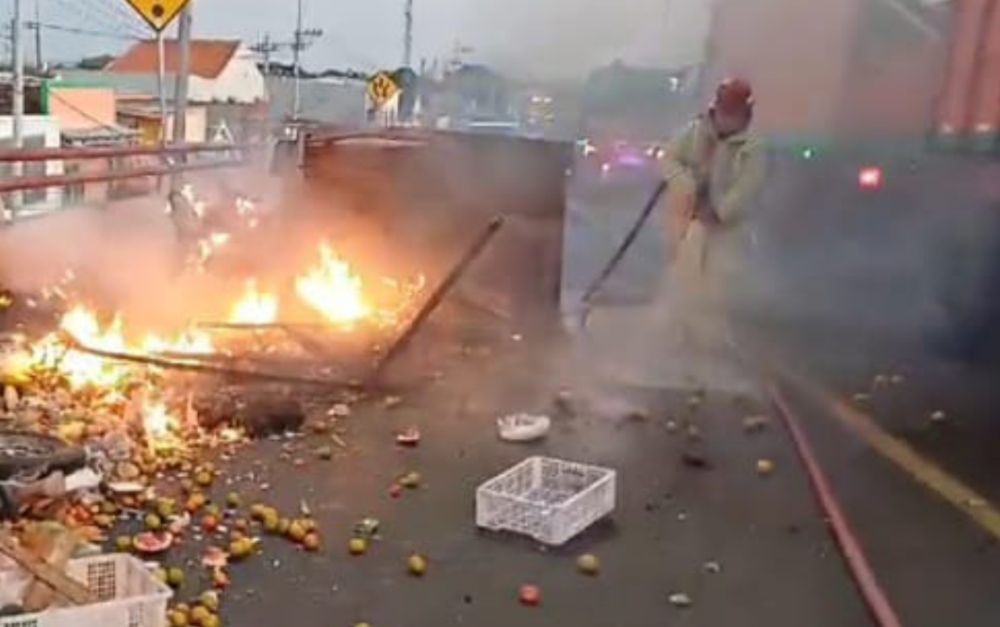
(87, 116)
(225, 84)
(221, 71)
(41, 130)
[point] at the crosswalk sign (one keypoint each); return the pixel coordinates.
(382, 89)
(158, 13)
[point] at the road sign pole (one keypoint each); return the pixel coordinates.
(18, 96)
(181, 88)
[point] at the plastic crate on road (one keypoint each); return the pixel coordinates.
(128, 596)
(548, 499)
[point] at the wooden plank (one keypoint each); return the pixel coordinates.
(63, 584)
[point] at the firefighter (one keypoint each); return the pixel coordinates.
(715, 167)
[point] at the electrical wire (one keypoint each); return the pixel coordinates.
(113, 16)
(83, 31)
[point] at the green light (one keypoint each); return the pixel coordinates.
(808, 153)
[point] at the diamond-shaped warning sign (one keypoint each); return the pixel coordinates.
(382, 89)
(158, 13)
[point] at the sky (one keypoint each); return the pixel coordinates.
(527, 38)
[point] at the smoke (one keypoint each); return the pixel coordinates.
(566, 39)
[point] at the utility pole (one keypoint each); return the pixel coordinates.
(301, 41)
(161, 84)
(296, 51)
(181, 87)
(408, 36)
(38, 37)
(17, 168)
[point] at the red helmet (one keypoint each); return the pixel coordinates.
(734, 96)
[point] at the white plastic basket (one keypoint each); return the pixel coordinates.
(129, 596)
(548, 499)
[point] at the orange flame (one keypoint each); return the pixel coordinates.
(254, 307)
(334, 290)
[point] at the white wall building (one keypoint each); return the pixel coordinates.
(40, 131)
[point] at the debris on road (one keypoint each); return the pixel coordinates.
(530, 595)
(939, 417)
(588, 564)
(409, 437)
(417, 565)
(765, 467)
(756, 424)
(523, 427)
(696, 459)
(680, 600)
(712, 568)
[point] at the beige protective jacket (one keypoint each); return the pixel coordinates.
(733, 171)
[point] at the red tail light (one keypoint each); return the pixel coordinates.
(870, 178)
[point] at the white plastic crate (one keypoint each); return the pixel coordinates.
(129, 596)
(549, 499)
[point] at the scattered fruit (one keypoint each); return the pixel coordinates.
(233, 500)
(149, 543)
(200, 614)
(297, 531)
(588, 564)
(410, 480)
(241, 548)
(203, 478)
(175, 577)
(153, 522)
(530, 595)
(178, 619)
(211, 621)
(284, 525)
(123, 544)
(209, 523)
(765, 467)
(258, 511)
(939, 417)
(357, 546)
(160, 574)
(195, 502)
(165, 508)
(395, 491)
(311, 542)
(417, 565)
(210, 600)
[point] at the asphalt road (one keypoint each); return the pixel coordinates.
(673, 524)
(748, 550)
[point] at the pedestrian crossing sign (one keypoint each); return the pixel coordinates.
(158, 13)
(382, 89)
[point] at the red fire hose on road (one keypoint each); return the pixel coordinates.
(857, 562)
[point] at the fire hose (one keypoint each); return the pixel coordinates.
(620, 253)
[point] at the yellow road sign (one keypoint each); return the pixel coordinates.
(382, 89)
(158, 13)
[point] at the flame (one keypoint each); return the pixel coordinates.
(191, 342)
(81, 369)
(254, 307)
(333, 289)
(159, 426)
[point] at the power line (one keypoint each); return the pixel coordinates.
(112, 13)
(81, 31)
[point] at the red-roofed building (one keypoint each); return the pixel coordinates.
(221, 70)
(224, 82)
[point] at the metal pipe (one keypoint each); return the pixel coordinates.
(107, 152)
(194, 366)
(24, 183)
(457, 272)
